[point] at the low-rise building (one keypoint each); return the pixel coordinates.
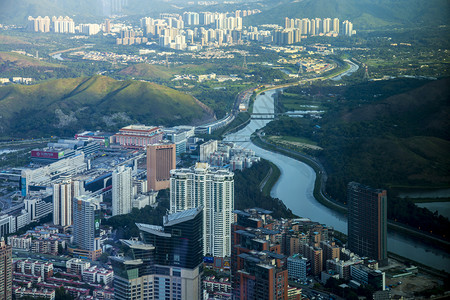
(77, 266)
(95, 274)
(297, 267)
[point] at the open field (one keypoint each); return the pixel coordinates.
(290, 141)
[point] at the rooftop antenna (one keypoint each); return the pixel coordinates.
(366, 72)
(300, 68)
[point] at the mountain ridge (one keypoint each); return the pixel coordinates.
(365, 14)
(65, 106)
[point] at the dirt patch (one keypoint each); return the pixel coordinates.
(281, 141)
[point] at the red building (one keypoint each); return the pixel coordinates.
(161, 158)
(259, 270)
(138, 136)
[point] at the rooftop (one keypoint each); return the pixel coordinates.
(137, 244)
(139, 128)
(153, 229)
(181, 216)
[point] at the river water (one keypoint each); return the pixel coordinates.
(295, 189)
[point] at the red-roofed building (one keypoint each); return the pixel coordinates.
(138, 136)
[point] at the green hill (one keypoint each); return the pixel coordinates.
(157, 72)
(365, 14)
(392, 134)
(147, 71)
(65, 106)
(12, 60)
(403, 140)
(383, 134)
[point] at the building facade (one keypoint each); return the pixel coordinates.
(213, 189)
(63, 194)
(161, 158)
(138, 136)
(86, 223)
(121, 191)
(5, 271)
(297, 267)
(258, 269)
(367, 222)
(166, 264)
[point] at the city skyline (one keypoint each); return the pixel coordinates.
(224, 149)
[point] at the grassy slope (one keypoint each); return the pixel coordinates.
(147, 71)
(21, 61)
(5, 40)
(30, 110)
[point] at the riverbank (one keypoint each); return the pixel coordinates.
(320, 194)
(270, 180)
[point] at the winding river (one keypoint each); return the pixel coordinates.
(295, 188)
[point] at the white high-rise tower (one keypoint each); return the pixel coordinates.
(213, 189)
(63, 193)
(86, 222)
(121, 191)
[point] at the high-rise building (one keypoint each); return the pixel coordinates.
(315, 257)
(336, 25)
(39, 24)
(63, 25)
(86, 225)
(348, 28)
(166, 264)
(330, 250)
(161, 158)
(212, 188)
(63, 195)
(367, 222)
(5, 271)
(121, 191)
(108, 26)
(297, 267)
(207, 148)
(258, 268)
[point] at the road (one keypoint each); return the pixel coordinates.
(353, 68)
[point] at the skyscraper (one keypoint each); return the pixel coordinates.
(86, 225)
(63, 194)
(348, 28)
(166, 263)
(121, 191)
(367, 222)
(161, 158)
(212, 188)
(108, 26)
(336, 25)
(5, 271)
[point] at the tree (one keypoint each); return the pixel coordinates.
(61, 294)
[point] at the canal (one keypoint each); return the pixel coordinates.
(295, 188)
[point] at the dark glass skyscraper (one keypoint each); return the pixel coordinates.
(179, 242)
(166, 263)
(367, 222)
